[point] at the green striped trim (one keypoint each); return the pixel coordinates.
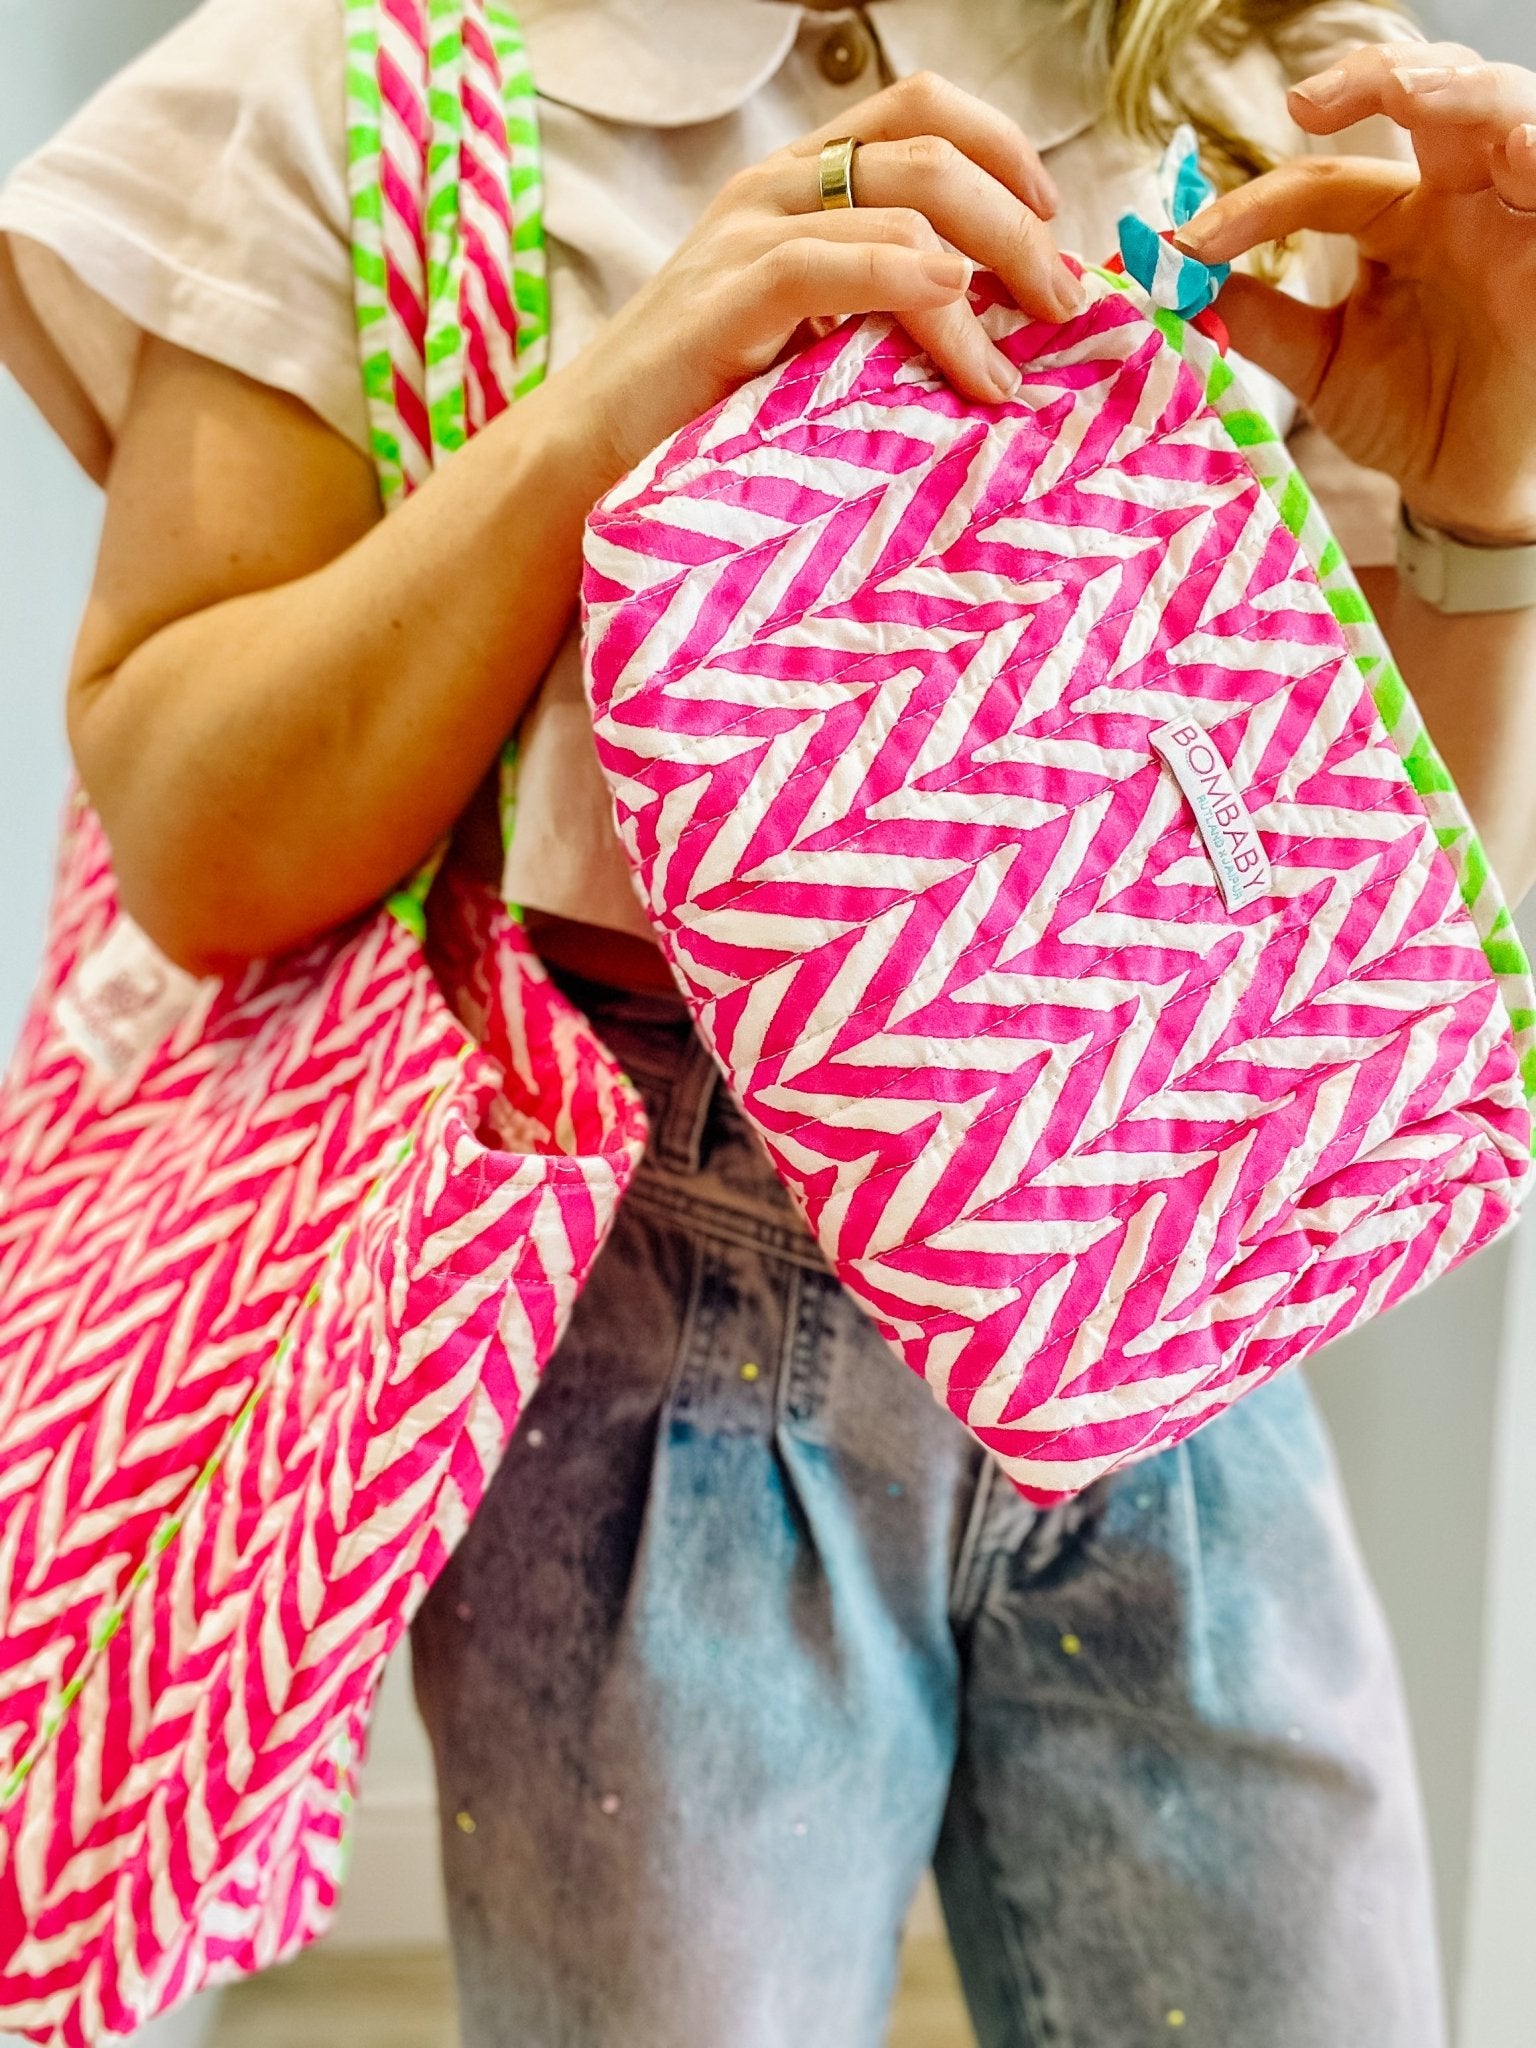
(1293, 499)
(446, 340)
(446, 365)
(370, 271)
(530, 265)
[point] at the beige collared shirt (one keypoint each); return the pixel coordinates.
(202, 197)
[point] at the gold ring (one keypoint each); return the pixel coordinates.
(837, 173)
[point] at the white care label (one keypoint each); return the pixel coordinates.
(124, 1001)
(1221, 816)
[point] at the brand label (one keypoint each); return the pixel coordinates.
(1221, 816)
(124, 1001)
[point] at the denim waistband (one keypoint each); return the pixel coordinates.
(705, 1171)
(653, 1039)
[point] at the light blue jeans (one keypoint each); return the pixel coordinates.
(748, 1633)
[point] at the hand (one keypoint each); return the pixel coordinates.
(1428, 369)
(937, 173)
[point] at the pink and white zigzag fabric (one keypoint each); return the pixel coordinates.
(269, 1314)
(272, 1298)
(876, 675)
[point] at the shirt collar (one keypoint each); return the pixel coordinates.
(656, 63)
(672, 63)
(1029, 57)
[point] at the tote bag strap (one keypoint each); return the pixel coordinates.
(450, 279)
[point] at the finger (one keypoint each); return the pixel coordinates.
(929, 175)
(1459, 110)
(1514, 169)
(952, 335)
(815, 275)
(1358, 85)
(898, 224)
(1293, 341)
(1331, 195)
(926, 104)
(1461, 117)
(978, 214)
(964, 352)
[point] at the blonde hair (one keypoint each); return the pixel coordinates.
(1142, 49)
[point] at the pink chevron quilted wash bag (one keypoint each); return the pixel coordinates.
(274, 1287)
(1057, 866)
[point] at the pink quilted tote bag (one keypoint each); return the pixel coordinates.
(1060, 872)
(274, 1288)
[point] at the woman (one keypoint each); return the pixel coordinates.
(747, 1632)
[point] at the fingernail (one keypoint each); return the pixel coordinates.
(1193, 237)
(953, 272)
(1071, 294)
(1431, 78)
(1006, 378)
(1326, 90)
(1525, 135)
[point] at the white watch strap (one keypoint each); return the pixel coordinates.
(1454, 577)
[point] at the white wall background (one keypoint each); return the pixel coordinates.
(1434, 1408)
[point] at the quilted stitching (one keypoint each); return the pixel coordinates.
(1349, 1173)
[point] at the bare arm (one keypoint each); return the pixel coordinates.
(280, 701)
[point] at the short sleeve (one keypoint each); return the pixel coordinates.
(202, 197)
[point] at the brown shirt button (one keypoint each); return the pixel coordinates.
(844, 54)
